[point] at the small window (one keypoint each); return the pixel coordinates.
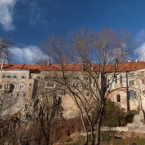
(132, 94)
(17, 94)
(108, 81)
(50, 85)
(6, 86)
(62, 93)
(87, 93)
(38, 77)
(143, 81)
(115, 77)
(76, 93)
(94, 84)
(23, 77)
(8, 76)
(3, 76)
(131, 75)
(75, 77)
(143, 92)
(1, 86)
(131, 83)
(54, 77)
(118, 98)
(21, 87)
(142, 73)
(46, 77)
(120, 79)
(24, 94)
(75, 84)
(15, 76)
(86, 78)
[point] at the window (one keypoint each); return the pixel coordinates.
(1, 86)
(86, 78)
(23, 77)
(131, 83)
(17, 94)
(62, 93)
(120, 79)
(142, 73)
(46, 77)
(75, 77)
(21, 87)
(115, 77)
(132, 94)
(15, 76)
(94, 84)
(3, 76)
(38, 77)
(54, 77)
(143, 92)
(87, 94)
(108, 81)
(6, 86)
(75, 84)
(131, 75)
(143, 81)
(118, 98)
(8, 76)
(50, 85)
(85, 86)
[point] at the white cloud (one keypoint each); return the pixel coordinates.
(6, 13)
(140, 51)
(140, 36)
(26, 54)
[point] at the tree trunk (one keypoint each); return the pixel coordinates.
(85, 129)
(98, 126)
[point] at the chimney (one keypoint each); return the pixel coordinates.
(136, 60)
(2, 64)
(48, 63)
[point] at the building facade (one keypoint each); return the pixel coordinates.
(22, 82)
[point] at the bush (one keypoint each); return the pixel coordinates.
(115, 116)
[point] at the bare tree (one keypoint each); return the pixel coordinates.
(95, 60)
(5, 46)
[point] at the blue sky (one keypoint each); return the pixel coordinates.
(28, 22)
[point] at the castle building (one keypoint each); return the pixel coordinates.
(22, 82)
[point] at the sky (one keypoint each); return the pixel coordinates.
(29, 22)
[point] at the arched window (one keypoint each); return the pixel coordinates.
(132, 94)
(118, 98)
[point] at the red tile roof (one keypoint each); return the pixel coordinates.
(125, 66)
